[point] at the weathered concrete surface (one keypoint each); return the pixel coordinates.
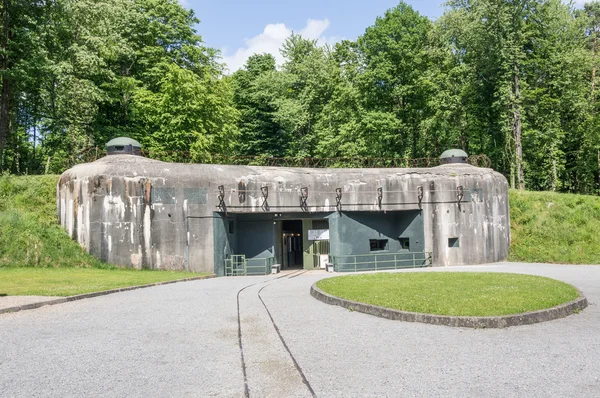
(526, 318)
(181, 340)
(143, 213)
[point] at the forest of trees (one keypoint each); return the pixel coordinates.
(516, 80)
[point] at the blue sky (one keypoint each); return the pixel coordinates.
(240, 28)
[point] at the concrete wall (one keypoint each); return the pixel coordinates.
(142, 213)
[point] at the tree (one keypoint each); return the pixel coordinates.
(394, 56)
(260, 134)
(189, 117)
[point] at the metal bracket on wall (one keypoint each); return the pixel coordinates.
(338, 199)
(265, 196)
(420, 196)
(221, 198)
(303, 198)
(242, 191)
(459, 195)
(379, 196)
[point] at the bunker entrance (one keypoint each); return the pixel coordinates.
(251, 244)
(304, 243)
(291, 244)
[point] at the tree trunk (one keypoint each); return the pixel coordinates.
(594, 66)
(5, 93)
(554, 175)
(517, 131)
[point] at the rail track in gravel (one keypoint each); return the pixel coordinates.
(241, 344)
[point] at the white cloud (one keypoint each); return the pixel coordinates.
(271, 40)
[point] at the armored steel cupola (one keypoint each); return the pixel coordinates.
(454, 156)
(123, 146)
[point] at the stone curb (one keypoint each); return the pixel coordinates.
(62, 300)
(482, 322)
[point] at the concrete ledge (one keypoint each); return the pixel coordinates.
(95, 294)
(526, 318)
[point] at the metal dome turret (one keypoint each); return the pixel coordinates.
(454, 156)
(123, 146)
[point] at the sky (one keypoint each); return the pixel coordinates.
(240, 28)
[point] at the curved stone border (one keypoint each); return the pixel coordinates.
(95, 294)
(526, 318)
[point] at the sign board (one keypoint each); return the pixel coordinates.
(318, 234)
(323, 260)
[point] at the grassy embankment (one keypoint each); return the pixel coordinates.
(38, 258)
(554, 228)
(452, 293)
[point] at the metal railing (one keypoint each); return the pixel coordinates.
(380, 261)
(239, 265)
(259, 266)
(235, 265)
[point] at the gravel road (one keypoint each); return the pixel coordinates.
(182, 340)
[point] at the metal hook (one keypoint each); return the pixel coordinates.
(459, 195)
(265, 195)
(221, 198)
(303, 198)
(338, 199)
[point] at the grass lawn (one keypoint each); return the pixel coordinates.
(452, 293)
(27, 281)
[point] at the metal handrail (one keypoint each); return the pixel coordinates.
(239, 265)
(262, 268)
(235, 265)
(415, 260)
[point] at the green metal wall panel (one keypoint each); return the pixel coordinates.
(224, 242)
(351, 232)
(255, 239)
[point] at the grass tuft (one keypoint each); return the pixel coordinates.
(452, 293)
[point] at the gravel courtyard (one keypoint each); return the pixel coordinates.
(182, 340)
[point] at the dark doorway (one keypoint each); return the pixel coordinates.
(292, 244)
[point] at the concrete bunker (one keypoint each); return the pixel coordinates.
(231, 220)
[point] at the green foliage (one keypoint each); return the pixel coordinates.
(187, 114)
(73, 281)
(85, 71)
(452, 293)
(549, 227)
(260, 133)
(516, 80)
(29, 232)
(506, 78)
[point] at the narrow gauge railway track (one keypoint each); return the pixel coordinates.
(240, 342)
